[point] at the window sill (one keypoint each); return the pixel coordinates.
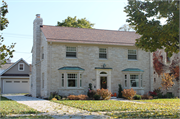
(134, 88)
(102, 58)
(71, 88)
(71, 57)
(132, 60)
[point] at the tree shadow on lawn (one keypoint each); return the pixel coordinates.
(144, 114)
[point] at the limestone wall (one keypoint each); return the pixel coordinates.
(88, 59)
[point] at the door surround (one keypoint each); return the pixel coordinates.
(108, 75)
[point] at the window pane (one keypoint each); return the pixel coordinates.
(103, 73)
(125, 83)
(132, 57)
(62, 75)
(70, 54)
(134, 77)
(21, 67)
(80, 83)
(16, 81)
(102, 50)
(62, 82)
(125, 76)
(134, 83)
(72, 83)
(102, 55)
(71, 49)
(131, 52)
(72, 80)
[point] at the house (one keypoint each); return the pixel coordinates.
(66, 60)
(169, 64)
(15, 77)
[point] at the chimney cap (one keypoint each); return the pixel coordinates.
(37, 15)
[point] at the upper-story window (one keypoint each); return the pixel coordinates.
(71, 52)
(103, 53)
(21, 66)
(132, 55)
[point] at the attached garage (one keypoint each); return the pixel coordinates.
(16, 86)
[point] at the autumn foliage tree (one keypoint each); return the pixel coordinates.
(167, 80)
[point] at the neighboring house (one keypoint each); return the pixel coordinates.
(15, 77)
(167, 62)
(66, 60)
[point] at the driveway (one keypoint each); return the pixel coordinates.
(55, 110)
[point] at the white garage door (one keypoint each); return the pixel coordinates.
(16, 86)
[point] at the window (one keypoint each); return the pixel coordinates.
(16, 81)
(134, 81)
(71, 52)
(62, 80)
(21, 67)
(102, 53)
(125, 81)
(132, 55)
(24, 81)
(141, 81)
(72, 80)
(80, 80)
(103, 73)
(167, 58)
(42, 53)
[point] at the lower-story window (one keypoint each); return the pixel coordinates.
(72, 80)
(134, 80)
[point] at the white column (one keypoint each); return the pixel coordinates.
(65, 80)
(139, 80)
(97, 80)
(109, 80)
(78, 80)
(128, 80)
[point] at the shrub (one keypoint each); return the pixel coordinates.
(91, 93)
(168, 95)
(82, 97)
(137, 97)
(152, 93)
(57, 97)
(104, 93)
(53, 99)
(128, 93)
(146, 96)
(120, 91)
(78, 97)
(54, 95)
(159, 92)
(96, 97)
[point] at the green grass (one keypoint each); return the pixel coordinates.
(127, 109)
(12, 107)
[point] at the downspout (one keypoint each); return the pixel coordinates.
(50, 82)
(150, 72)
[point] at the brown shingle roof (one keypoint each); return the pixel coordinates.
(90, 36)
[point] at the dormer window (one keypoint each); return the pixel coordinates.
(21, 66)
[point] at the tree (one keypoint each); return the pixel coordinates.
(146, 17)
(167, 80)
(6, 51)
(126, 27)
(73, 22)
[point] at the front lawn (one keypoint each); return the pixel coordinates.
(121, 109)
(8, 106)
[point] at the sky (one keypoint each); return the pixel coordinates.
(105, 14)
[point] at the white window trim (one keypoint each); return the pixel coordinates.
(71, 57)
(128, 79)
(136, 55)
(65, 72)
(106, 54)
(19, 67)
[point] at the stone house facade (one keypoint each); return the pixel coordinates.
(167, 61)
(66, 60)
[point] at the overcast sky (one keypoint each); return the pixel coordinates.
(105, 14)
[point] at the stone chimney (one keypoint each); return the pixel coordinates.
(36, 65)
